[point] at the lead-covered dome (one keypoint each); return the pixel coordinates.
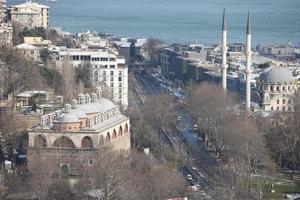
(277, 74)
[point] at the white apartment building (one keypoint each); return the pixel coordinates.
(106, 69)
(6, 32)
(2, 10)
(30, 14)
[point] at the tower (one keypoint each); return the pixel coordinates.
(224, 51)
(248, 60)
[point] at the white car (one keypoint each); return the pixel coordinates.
(189, 177)
(292, 196)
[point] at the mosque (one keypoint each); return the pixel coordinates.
(275, 87)
(68, 140)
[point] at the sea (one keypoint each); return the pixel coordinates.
(273, 21)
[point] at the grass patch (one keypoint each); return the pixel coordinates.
(282, 189)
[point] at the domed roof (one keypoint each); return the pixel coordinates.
(101, 105)
(68, 118)
(277, 74)
(79, 113)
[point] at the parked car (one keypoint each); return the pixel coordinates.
(292, 196)
(195, 128)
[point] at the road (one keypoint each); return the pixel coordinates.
(203, 166)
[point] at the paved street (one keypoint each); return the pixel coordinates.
(202, 165)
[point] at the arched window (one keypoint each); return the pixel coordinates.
(64, 170)
(283, 88)
(289, 88)
(272, 88)
(96, 75)
(120, 133)
(126, 128)
(114, 136)
(86, 142)
(40, 141)
(64, 142)
(107, 138)
(277, 88)
(101, 140)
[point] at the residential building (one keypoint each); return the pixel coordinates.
(132, 48)
(6, 32)
(37, 41)
(282, 52)
(27, 97)
(3, 10)
(106, 69)
(28, 51)
(68, 141)
(30, 14)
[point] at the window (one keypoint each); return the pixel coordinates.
(112, 84)
(120, 84)
(283, 101)
(104, 73)
(120, 73)
(283, 88)
(289, 101)
(120, 78)
(277, 101)
(112, 66)
(272, 88)
(277, 88)
(111, 78)
(289, 88)
(277, 108)
(120, 91)
(272, 108)
(91, 162)
(120, 96)
(111, 73)
(283, 108)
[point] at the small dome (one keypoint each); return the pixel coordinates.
(79, 113)
(68, 118)
(277, 74)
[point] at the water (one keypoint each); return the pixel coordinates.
(273, 21)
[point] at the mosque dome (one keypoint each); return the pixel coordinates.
(277, 74)
(68, 118)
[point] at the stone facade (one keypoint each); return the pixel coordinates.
(276, 89)
(30, 14)
(106, 69)
(69, 139)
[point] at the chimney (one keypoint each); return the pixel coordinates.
(87, 98)
(81, 98)
(67, 108)
(74, 104)
(94, 97)
(99, 92)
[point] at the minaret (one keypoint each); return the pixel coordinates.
(224, 51)
(248, 67)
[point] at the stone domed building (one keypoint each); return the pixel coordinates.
(68, 140)
(276, 89)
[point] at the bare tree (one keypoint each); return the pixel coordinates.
(68, 74)
(283, 140)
